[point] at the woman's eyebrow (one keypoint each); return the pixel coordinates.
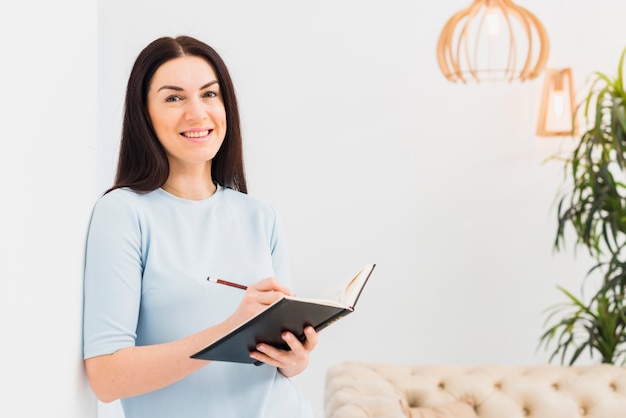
(210, 83)
(166, 87)
(176, 88)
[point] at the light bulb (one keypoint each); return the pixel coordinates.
(558, 103)
(492, 21)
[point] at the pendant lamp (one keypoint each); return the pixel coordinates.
(556, 114)
(492, 40)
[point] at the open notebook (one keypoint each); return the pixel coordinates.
(290, 313)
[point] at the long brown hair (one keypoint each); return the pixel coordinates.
(142, 164)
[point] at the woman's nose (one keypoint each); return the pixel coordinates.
(195, 109)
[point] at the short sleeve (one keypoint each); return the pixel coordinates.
(112, 276)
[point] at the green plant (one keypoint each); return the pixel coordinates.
(594, 205)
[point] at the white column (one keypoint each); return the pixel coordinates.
(48, 132)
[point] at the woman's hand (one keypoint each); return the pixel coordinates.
(258, 296)
(289, 362)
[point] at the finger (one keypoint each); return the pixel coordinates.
(271, 283)
(279, 357)
(300, 347)
(268, 297)
(294, 344)
(311, 338)
(269, 355)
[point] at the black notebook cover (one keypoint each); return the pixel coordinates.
(286, 314)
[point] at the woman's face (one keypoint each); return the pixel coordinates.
(187, 111)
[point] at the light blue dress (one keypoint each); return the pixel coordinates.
(147, 260)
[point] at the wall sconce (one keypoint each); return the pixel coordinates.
(556, 115)
(482, 42)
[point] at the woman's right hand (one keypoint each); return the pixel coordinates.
(257, 297)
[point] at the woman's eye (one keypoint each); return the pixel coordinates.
(172, 98)
(210, 94)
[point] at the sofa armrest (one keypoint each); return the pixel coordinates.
(354, 391)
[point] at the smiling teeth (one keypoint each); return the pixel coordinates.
(196, 134)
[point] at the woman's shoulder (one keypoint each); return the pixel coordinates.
(247, 200)
(122, 200)
(121, 196)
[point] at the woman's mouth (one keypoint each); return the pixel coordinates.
(197, 134)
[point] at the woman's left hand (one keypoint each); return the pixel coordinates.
(289, 362)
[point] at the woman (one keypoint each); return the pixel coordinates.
(177, 213)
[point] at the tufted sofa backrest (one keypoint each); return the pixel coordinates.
(355, 390)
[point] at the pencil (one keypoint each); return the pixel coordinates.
(227, 283)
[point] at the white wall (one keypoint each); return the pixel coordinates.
(372, 156)
(49, 133)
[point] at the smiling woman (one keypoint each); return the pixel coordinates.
(189, 120)
(179, 212)
(143, 164)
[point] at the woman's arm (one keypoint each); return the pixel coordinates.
(133, 371)
(136, 370)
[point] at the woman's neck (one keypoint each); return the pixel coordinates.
(190, 189)
(190, 181)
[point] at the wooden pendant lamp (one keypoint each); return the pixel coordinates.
(556, 116)
(493, 40)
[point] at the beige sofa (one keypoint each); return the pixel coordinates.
(357, 389)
